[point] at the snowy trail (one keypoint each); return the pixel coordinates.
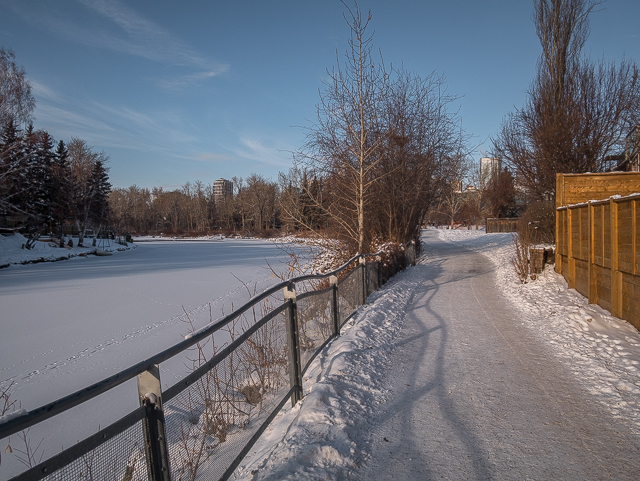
(454, 370)
(474, 395)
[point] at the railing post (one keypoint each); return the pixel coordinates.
(293, 345)
(379, 269)
(335, 314)
(155, 441)
(363, 274)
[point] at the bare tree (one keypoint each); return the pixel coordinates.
(421, 146)
(500, 194)
(343, 147)
(260, 200)
(578, 111)
(16, 101)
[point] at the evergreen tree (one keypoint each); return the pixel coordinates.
(101, 188)
(62, 189)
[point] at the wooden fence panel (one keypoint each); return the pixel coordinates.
(495, 225)
(630, 297)
(602, 282)
(597, 253)
(625, 237)
(579, 188)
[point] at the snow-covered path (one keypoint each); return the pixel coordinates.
(474, 395)
(454, 370)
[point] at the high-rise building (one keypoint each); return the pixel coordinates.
(489, 168)
(222, 188)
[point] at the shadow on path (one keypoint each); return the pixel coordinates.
(473, 395)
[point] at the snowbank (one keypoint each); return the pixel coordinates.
(13, 252)
(319, 437)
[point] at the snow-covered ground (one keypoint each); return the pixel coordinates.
(67, 324)
(13, 251)
(321, 437)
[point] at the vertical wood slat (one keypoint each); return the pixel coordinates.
(634, 240)
(592, 295)
(571, 274)
(616, 304)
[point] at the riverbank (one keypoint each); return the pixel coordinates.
(13, 250)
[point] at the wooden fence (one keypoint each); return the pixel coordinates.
(578, 188)
(507, 224)
(597, 253)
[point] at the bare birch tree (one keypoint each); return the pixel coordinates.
(16, 101)
(343, 146)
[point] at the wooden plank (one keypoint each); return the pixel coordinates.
(582, 277)
(591, 296)
(570, 277)
(578, 188)
(606, 218)
(635, 235)
(584, 233)
(560, 190)
(616, 289)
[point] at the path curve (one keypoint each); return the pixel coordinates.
(474, 395)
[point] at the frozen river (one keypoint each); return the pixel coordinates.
(65, 325)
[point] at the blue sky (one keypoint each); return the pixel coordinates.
(182, 91)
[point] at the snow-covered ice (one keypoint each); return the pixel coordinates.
(66, 325)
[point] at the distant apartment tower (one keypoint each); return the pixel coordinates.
(489, 168)
(222, 188)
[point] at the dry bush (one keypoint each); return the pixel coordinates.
(538, 223)
(520, 260)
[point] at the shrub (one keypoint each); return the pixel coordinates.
(537, 225)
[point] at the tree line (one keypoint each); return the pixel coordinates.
(193, 208)
(44, 184)
(385, 145)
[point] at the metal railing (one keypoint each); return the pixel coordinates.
(203, 426)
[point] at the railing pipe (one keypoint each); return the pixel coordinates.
(65, 403)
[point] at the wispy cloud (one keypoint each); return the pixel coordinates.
(255, 149)
(212, 157)
(111, 126)
(42, 91)
(111, 25)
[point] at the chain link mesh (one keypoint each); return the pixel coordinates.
(209, 423)
(315, 324)
(121, 458)
(348, 295)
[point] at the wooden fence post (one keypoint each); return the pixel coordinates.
(363, 272)
(591, 271)
(571, 263)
